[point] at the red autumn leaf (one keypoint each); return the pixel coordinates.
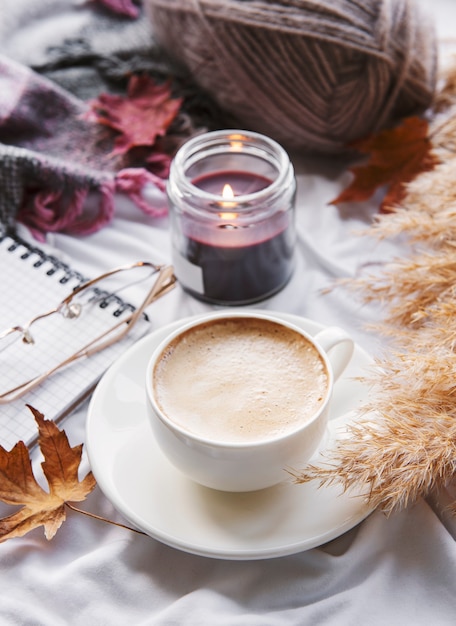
(396, 157)
(145, 114)
(18, 485)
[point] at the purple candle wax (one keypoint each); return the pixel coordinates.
(240, 262)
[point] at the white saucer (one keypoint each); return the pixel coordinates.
(157, 499)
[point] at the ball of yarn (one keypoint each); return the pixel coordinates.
(313, 74)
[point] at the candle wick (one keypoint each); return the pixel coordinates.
(228, 226)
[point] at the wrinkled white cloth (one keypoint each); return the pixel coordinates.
(391, 571)
(397, 570)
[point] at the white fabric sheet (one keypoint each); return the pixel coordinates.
(399, 570)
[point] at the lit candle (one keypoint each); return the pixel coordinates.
(227, 203)
(232, 217)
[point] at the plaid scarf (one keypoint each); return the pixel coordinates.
(56, 172)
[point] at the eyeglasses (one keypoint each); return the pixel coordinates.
(80, 307)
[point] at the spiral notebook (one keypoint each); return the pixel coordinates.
(31, 283)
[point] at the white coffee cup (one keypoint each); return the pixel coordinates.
(237, 397)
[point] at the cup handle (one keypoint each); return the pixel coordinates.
(339, 347)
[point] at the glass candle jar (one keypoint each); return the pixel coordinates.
(232, 196)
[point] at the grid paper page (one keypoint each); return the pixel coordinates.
(31, 284)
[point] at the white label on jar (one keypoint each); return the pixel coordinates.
(190, 275)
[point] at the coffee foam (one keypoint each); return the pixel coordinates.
(240, 379)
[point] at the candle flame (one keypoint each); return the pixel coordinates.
(227, 192)
(228, 203)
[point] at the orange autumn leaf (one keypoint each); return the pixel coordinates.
(141, 117)
(18, 485)
(396, 157)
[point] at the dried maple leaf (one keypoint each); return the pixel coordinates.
(396, 156)
(18, 485)
(141, 117)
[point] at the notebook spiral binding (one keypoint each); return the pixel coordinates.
(106, 299)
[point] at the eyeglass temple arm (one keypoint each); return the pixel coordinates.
(85, 285)
(24, 330)
(166, 281)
